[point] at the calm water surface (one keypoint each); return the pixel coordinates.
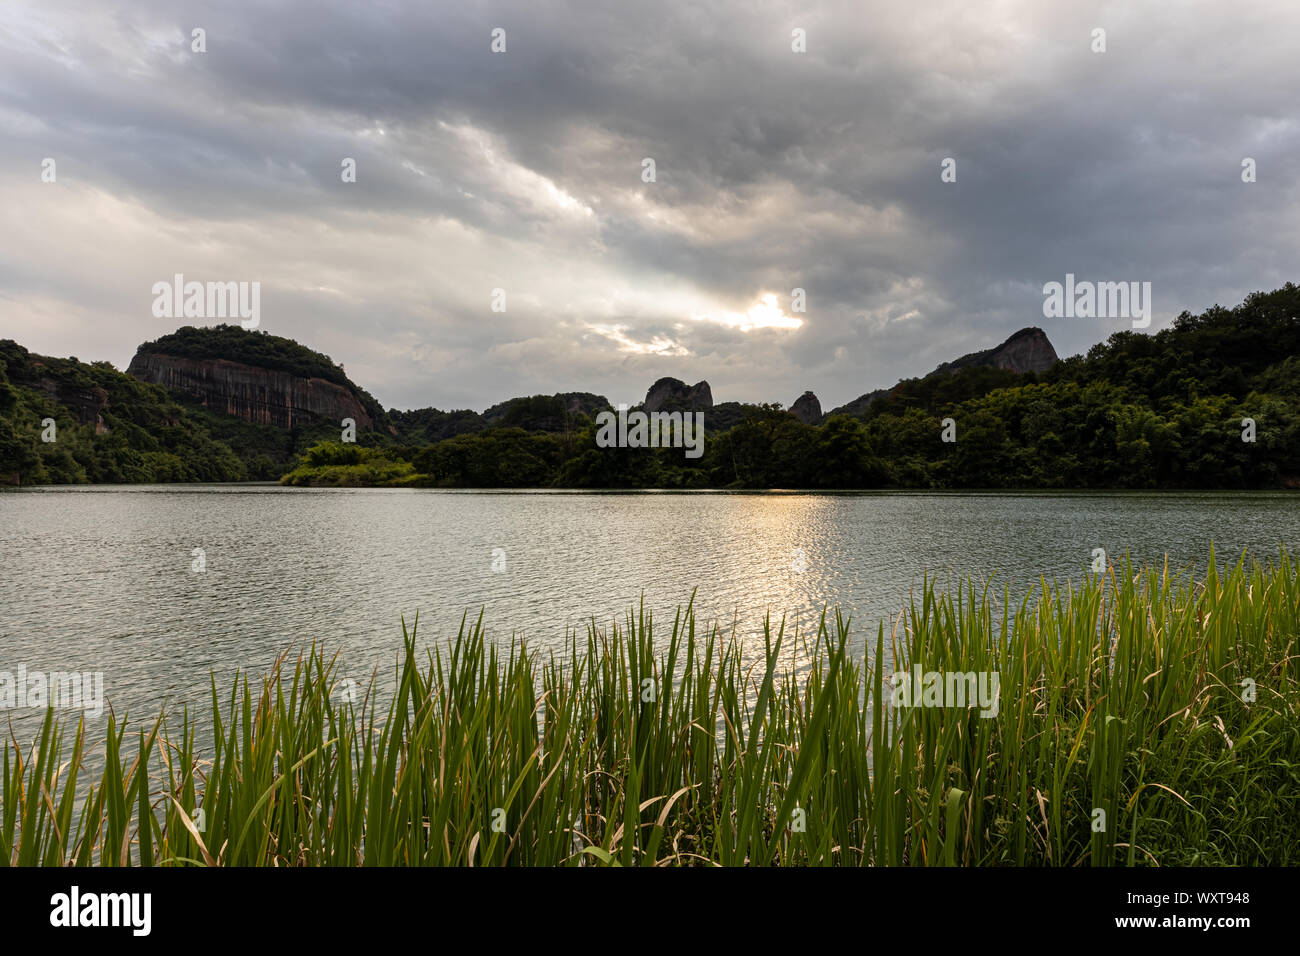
(100, 579)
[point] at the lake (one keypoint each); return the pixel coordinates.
(102, 578)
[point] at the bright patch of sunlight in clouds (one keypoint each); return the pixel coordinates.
(763, 314)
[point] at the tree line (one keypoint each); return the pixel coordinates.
(1210, 402)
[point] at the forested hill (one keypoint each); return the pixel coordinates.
(1212, 402)
(235, 344)
(63, 421)
(1234, 352)
(187, 359)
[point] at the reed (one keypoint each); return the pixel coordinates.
(642, 745)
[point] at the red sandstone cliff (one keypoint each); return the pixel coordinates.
(260, 395)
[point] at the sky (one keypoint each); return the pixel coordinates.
(523, 170)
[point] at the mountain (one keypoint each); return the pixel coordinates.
(1027, 352)
(1210, 402)
(259, 378)
(674, 395)
(807, 409)
(223, 403)
(265, 396)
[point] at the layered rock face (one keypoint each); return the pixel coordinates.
(1027, 351)
(259, 395)
(674, 395)
(807, 409)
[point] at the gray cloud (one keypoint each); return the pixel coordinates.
(522, 171)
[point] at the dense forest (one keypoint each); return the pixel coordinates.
(1140, 411)
(107, 427)
(1211, 402)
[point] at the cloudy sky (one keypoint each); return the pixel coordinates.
(523, 170)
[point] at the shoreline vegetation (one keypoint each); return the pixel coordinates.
(1143, 718)
(1210, 403)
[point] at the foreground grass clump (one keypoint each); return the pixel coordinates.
(1169, 706)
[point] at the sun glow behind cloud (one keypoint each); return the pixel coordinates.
(521, 172)
(763, 314)
(672, 312)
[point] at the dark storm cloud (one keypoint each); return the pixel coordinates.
(522, 170)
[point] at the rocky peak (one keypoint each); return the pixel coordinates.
(674, 395)
(1026, 351)
(807, 409)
